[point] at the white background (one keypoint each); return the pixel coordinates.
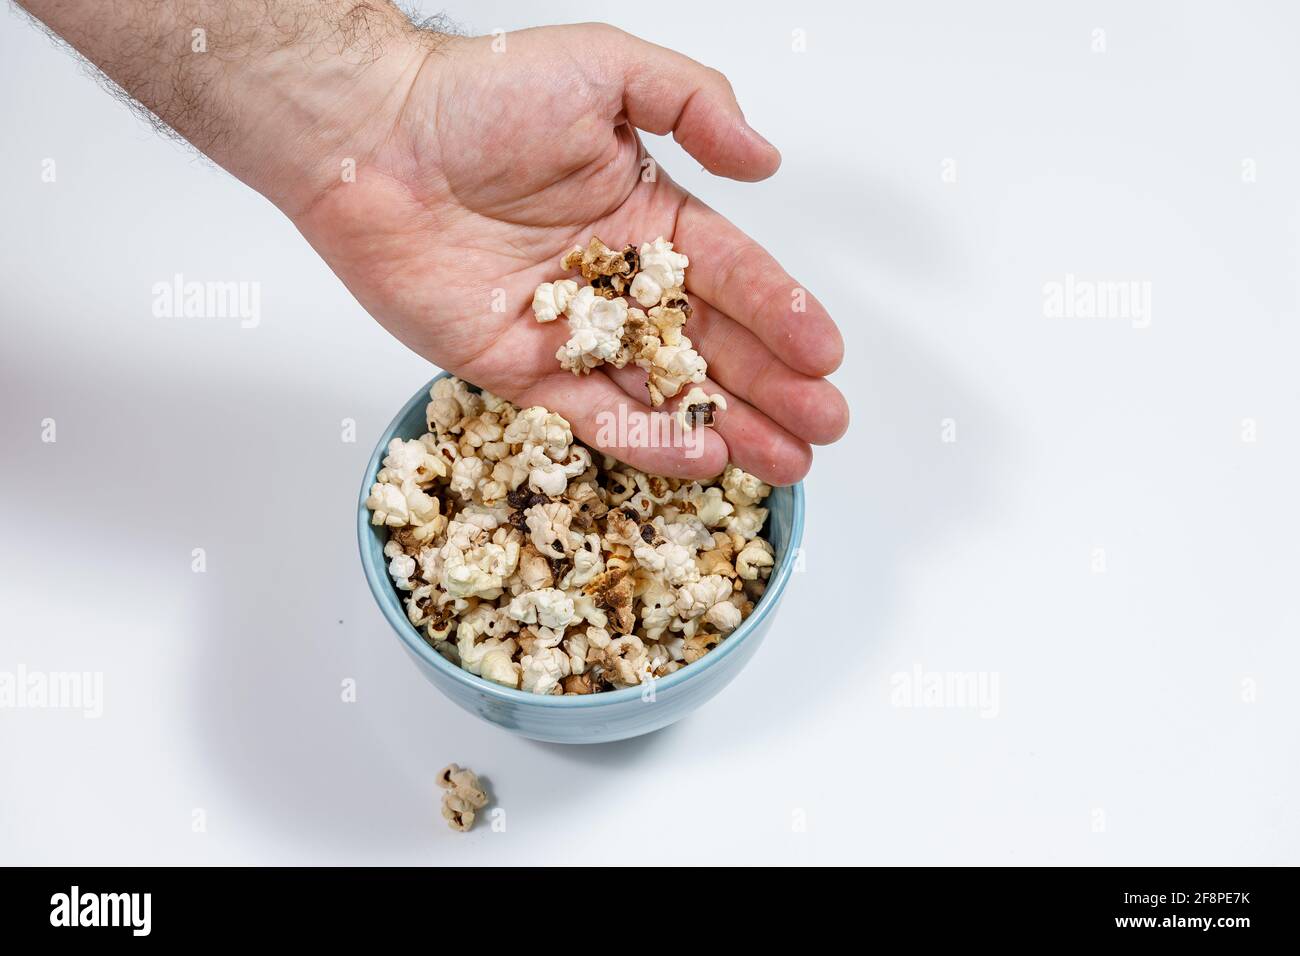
(1146, 714)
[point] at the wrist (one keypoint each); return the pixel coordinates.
(311, 118)
(282, 93)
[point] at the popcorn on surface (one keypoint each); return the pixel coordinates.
(527, 559)
(463, 795)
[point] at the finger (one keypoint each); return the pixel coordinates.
(738, 276)
(604, 417)
(810, 408)
(754, 442)
(666, 92)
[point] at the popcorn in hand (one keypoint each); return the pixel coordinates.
(552, 298)
(662, 270)
(698, 407)
(606, 329)
(597, 327)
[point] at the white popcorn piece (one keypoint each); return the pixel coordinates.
(658, 608)
(753, 558)
(711, 507)
(464, 795)
(402, 569)
(411, 461)
(674, 562)
(422, 508)
(698, 407)
(585, 607)
(747, 521)
(552, 298)
(687, 530)
(548, 527)
(576, 646)
(543, 669)
(388, 504)
(672, 367)
(597, 327)
(468, 580)
(548, 607)
(473, 652)
(662, 270)
(625, 661)
(552, 478)
(497, 666)
(695, 598)
(742, 488)
(466, 474)
(539, 427)
(588, 561)
(450, 402)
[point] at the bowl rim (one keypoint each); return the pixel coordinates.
(390, 604)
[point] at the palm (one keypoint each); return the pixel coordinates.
(498, 163)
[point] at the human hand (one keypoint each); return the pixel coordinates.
(474, 170)
(496, 163)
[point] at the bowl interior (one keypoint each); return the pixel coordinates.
(784, 529)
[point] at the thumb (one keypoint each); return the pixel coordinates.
(665, 91)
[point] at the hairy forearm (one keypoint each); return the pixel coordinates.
(279, 92)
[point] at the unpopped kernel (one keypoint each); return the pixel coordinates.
(528, 559)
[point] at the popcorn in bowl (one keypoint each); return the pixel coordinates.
(532, 561)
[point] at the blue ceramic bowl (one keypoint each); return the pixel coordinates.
(587, 719)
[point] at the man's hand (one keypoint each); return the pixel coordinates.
(477, 167)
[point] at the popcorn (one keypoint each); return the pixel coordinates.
(401, 568)
(497, 666)
(451, 401)
(464, 795)
(548, 607)
(388, 504)
(742, 488)
(747, 521)
(754, 559)
(711, 507)
(537, 426)
(609, 272)
(543, 670)
(533, 563)
(605, 328)
(672, 367)
(466, 474)
(552, 298)
(696, 646)
(548, 527)
(698, 407)
(597, 327)
(675, 563)
(701, 595)
(661, 270)
(411, 461)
